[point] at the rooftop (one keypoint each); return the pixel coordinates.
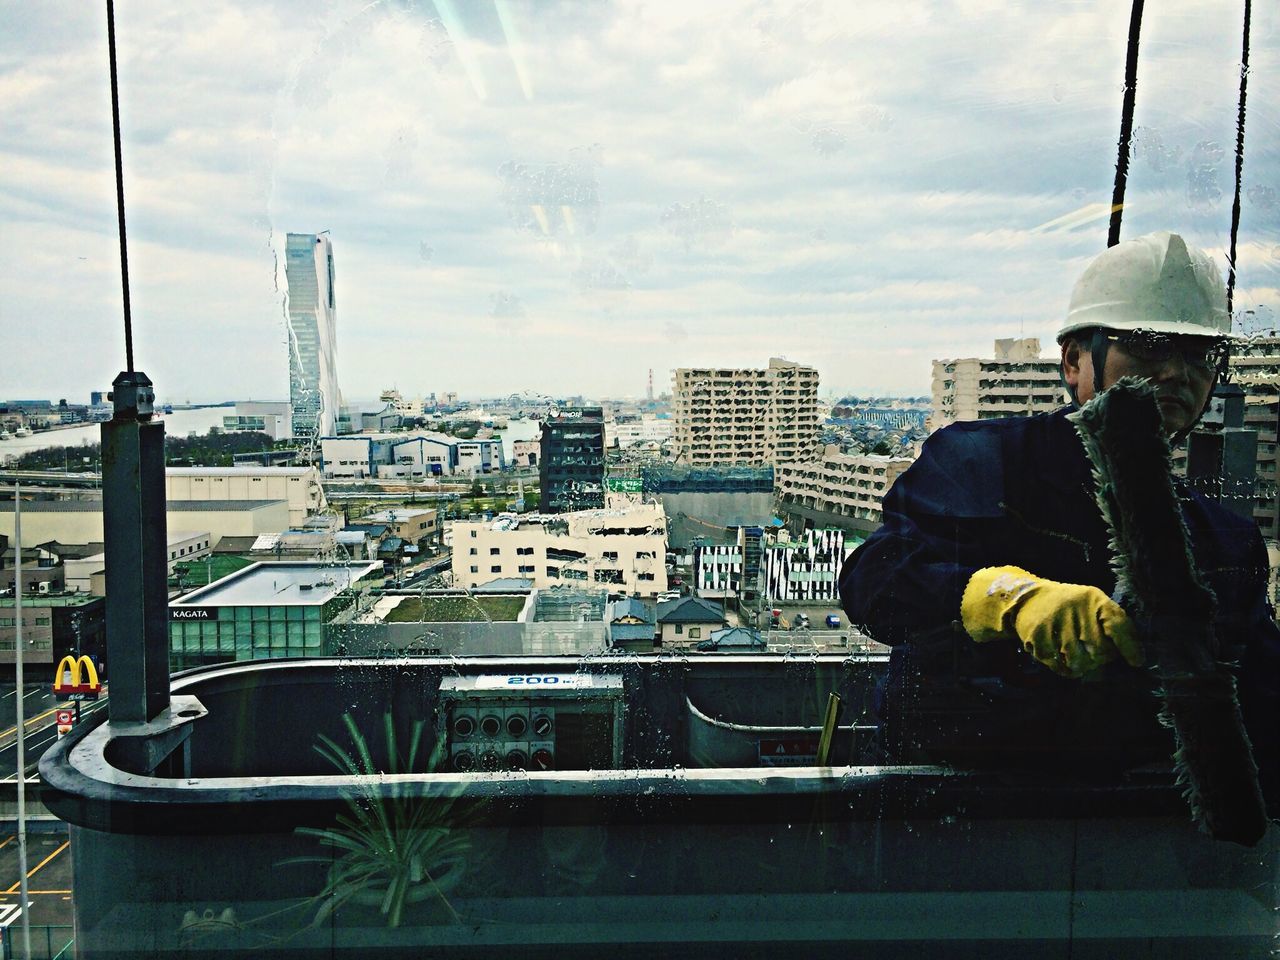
(457, 608)
(173, 506)
(44, 600)
(395, 516)
(280, 584)
(238, 471)
(689, 610)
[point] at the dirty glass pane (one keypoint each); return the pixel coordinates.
(776, 244)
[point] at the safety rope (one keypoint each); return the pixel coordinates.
(1235, 201)
(1126, 123)
(115, 129)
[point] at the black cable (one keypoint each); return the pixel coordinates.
(115, 126)
(1235, 202)
(1126, 123)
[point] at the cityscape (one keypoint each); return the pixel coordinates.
(463, 566)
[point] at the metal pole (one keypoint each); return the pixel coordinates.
(21, 720)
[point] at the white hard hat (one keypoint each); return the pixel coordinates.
(1155, 283)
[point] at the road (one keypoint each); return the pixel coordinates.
(39, 705)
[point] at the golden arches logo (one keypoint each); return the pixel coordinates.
(70, 667)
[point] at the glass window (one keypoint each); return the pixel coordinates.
(780, 244)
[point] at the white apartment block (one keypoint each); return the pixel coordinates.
(765, 416)
(300, 486)
(623, 550)
(843, 484)
(1016, 382)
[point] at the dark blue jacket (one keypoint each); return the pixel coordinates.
(1019, 491)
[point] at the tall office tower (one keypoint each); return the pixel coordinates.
(1016, 382)
(746, 416)
(313, 347)
(571, 465)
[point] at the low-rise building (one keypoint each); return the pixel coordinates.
(80, 521)
(687, 621)
(623, 549)
(274, 418)
(267, 610)
(183, 548)
(42, 567)
(524, 453)
(53, 626)
(298, 486)
(415, 526)
(408, 456)
(840, 489)
(632, 625)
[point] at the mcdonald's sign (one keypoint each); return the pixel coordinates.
(76, 678)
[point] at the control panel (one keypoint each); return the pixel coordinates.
(534, 721)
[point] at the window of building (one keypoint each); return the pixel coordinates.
(475, 569)
(679, 627)
(695, 633)
(496, 568)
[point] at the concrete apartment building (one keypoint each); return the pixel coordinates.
(1015, 382)
(623, 550)
(1256, 368)
(726, 416)
(839, 489)
(298, 486)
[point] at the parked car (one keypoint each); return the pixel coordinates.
(833, 621)
(801, 621)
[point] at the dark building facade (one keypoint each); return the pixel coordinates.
(571, 465)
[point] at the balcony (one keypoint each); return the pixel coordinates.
(669, 820)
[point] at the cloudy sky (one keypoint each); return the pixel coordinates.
(559, 196)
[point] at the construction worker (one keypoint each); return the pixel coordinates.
(991, 576)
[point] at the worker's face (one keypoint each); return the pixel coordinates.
(1179, 368)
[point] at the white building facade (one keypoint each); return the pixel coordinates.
(300, 486)
(622, 550)
(1016, 382)
(725, 416)
(846, 485)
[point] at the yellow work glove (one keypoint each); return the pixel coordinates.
(1070, 628)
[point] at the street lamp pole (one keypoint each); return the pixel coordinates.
(21, 722)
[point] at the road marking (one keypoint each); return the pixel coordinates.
(30, 873)
(9, 839)
(36, 719)
(32, 893)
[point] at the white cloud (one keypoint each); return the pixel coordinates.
(851, 184)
